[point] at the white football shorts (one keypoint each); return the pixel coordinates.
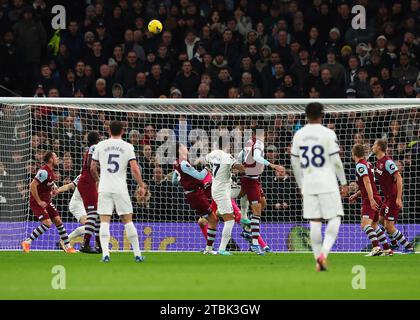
(121, 202)
(222, 197)
(76, 206)
(322, 206)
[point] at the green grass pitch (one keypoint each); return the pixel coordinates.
(196, 276)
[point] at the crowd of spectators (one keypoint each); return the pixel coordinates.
(219, 48)
(64, 131)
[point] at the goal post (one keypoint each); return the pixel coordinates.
(31, 126)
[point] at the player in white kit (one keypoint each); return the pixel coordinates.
(316, 165)
(113, 156)
(221, 164)
(76, 207)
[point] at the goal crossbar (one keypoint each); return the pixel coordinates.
(214, 106)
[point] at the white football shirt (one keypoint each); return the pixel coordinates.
(113, 156)
(314, 144)
(221, 164)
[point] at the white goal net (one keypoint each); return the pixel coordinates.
(30, 127)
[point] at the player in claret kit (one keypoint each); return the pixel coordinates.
(391, 182)
(89, 193)
(192, 181)
(42, 188)
(371, 200)
(252, 157)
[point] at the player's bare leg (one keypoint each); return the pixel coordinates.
(79, 231)
(132, 236)
(104, 236)
(367, 227)
(203, 224)
(211, 233)
(331, 232)
(64, 242)
(398, 236)
(316, 240)
(244, 209)
(229, 221)
(45, 226)
(321, 248)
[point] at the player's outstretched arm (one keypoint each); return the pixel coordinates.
(65, 188)
(260, 159)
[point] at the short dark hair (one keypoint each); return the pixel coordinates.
(116, 127)
(359, 150)
(314, 110)
(382, 143)
(224, 68)
(93, 138)
(47, 156)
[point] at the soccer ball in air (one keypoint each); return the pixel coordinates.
(155, 26)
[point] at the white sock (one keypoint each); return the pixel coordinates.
(226, 234)
(77, 232)
(133, 237)
(316, 237)
(244, 207)
(104, 236)
(331, 233)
